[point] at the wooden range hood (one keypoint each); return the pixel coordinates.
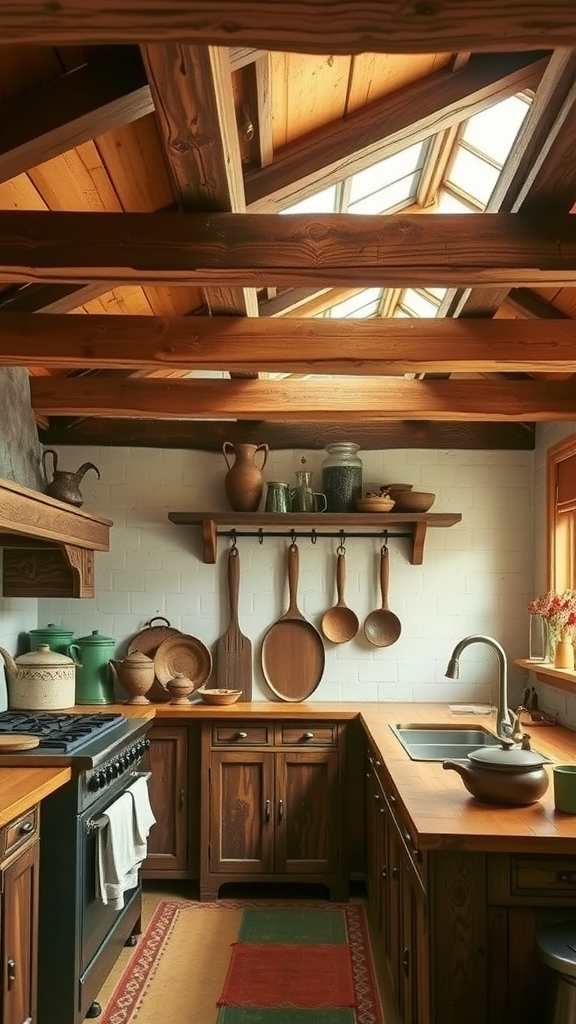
(48, 545)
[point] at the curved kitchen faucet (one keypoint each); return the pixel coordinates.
(507, 723)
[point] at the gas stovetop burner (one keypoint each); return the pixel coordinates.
(58, 731)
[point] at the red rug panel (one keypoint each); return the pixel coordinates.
(300, 976)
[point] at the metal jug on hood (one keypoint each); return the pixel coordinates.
(65, 486)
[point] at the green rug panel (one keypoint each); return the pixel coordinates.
(238, 1015)
(293, 926)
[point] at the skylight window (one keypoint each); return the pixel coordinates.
(493, 131)
(320, 202)
(364, 304)
(473, 176)
(393, 169)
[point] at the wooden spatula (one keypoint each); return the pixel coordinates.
(233, 649)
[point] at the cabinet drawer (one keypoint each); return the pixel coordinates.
(18, 832)
(299, 734)
(537, 876)
(242, 734)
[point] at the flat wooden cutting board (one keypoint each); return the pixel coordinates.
(18, 741)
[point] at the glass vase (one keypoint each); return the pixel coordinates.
(538, 639)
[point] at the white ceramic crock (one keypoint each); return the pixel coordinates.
(41, 680)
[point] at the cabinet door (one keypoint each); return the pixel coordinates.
(168, 785)
(307, 812)
(414, 978)
(242, 803)
(18, 942)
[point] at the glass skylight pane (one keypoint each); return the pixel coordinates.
(473, 175)
(321, 202)
(418, 304)
(350, 306)
(493, 131)
(400, 312)
(400, 192)
(449, 203)
(438, 293)
(386, 171)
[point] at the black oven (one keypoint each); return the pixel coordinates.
(80, 937)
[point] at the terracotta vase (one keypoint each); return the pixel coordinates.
(244, 482)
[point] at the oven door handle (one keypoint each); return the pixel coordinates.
(94, 825)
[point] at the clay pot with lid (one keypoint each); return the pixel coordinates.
(42, 680)
(136, 675)
(502, 775)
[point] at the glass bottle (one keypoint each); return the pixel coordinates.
(342, 476)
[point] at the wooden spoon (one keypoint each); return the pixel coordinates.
(340, 623)
(382, 628)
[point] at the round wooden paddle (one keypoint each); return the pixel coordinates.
(382, 628)
(292, 650)
(340, 623)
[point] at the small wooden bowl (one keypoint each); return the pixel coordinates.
(414, 501)
(374, 504)
(215, 696)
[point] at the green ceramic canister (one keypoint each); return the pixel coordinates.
(57, 637)
(94, 680)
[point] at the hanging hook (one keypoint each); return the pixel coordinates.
(234, 541)
(260, 536)
(341, 550)
(293, 537)
(313, 537)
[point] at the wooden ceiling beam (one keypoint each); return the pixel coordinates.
(387, 126)
(48, 298)
(204, 436)
(311, 346)
(321, 26)
(529, 306)
(67, 111)
(254, 250)
(392, 399)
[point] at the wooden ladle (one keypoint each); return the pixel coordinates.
(340, 623)
(381, 627)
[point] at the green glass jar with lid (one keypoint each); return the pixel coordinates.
(57, 637)
(342, 476)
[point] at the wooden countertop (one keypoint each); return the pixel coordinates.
(439, 811)
(21, 788)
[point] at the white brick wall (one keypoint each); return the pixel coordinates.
(477, 576)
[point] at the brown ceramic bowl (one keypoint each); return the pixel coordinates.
(215, 696)
(414, 501)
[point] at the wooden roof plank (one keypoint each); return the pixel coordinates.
(389, 125)
(453, 400)
(322, 26)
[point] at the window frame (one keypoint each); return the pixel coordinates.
(560, 526)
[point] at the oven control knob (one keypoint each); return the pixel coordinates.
(93, 783)
(109, 773)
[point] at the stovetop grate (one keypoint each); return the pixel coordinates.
(57, 730)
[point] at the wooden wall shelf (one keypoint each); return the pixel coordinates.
(547, 673)
(395, 524)
(48, 545)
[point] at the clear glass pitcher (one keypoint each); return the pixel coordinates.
(303, 497)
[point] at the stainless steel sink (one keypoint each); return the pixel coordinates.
(440, 742)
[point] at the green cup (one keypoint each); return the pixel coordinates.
(565, 787)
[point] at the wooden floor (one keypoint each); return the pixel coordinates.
(155, 891)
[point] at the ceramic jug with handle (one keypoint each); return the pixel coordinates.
(303, 497)
(244, 482)
(65, 486)
(94, 681)
(41, 680)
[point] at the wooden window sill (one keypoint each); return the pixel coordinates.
(545, 672)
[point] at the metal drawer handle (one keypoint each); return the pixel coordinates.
(267, 810)
(567, 876)
(406, 961)
(241, 736)
(308, 736)
(26, 827)
(11, 971)
(280, 810)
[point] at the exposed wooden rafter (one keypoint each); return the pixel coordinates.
(252, 250)
(312, 346)
(323, 26)
(473, 400)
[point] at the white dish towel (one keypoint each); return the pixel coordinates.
(121, 844)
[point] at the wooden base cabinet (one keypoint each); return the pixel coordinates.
(169, 841)
(19, 872)
(271, 808)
